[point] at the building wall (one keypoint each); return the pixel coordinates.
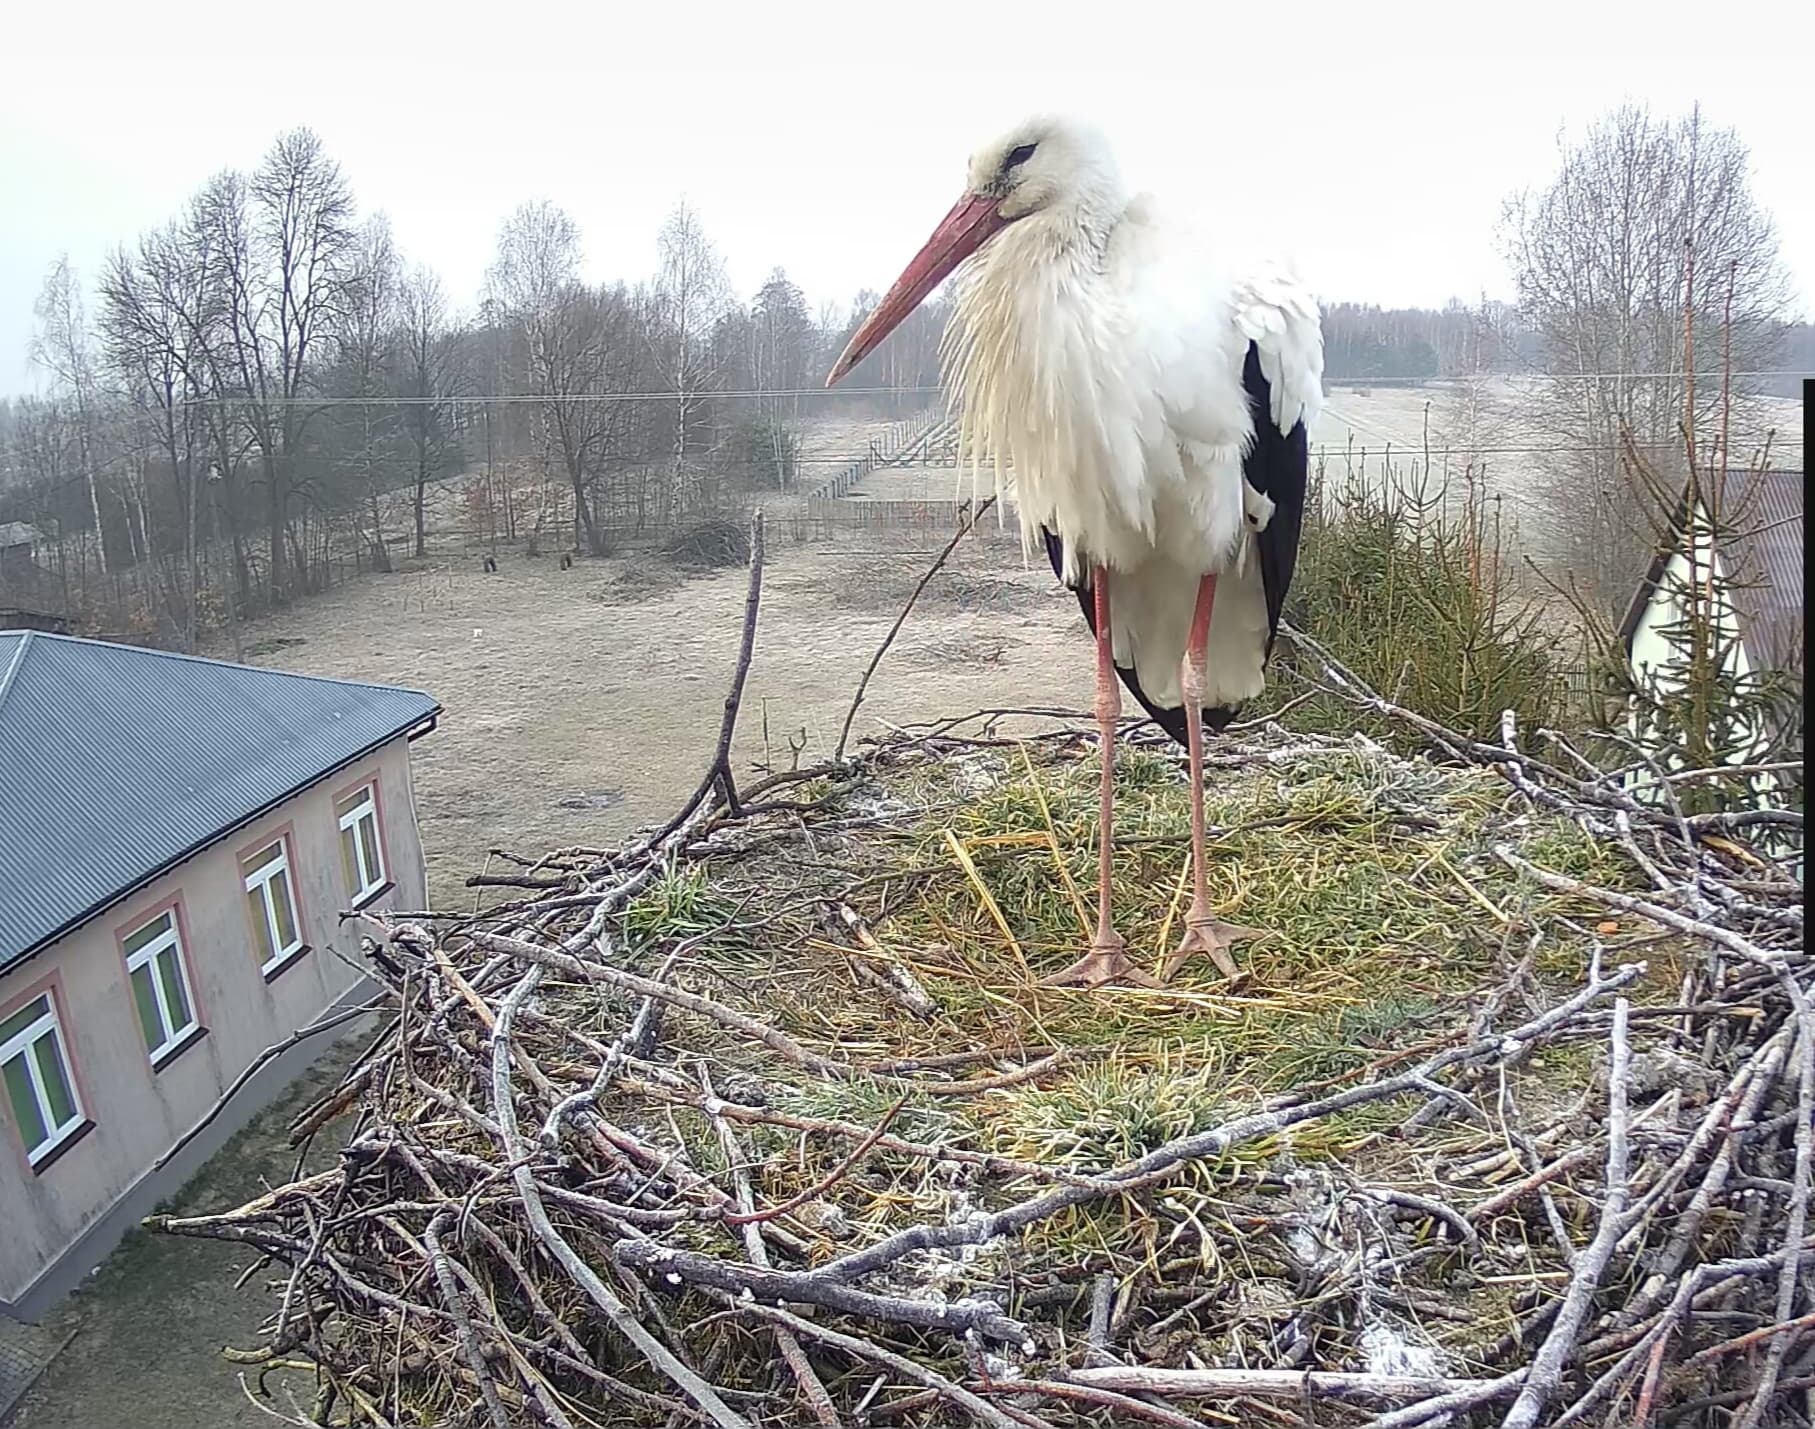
(1651, 649)
(74, 1207)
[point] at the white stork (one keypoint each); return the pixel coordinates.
(1154, 414)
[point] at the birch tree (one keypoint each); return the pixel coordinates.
(1602, 260)
(62, 346)
(694, 293)
(431, 375)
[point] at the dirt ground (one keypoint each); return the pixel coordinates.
(583, 703)
(579, 704)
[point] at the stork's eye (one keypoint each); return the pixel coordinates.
(1018, 156)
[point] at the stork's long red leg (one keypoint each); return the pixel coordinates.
(1107, 960)
(1204, 932)
(1109, 710)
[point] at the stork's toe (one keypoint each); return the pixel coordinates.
(1214, 937)
(1106, 962)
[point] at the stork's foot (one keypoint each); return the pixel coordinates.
(1106, 962)
(1205, 933)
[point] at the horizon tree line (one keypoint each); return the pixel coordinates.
(264, 386)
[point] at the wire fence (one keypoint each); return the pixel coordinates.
(868, 466)
(773, 394)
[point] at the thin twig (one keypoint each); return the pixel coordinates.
(718, 773)
(1277, 1383)
(979, 1409)
(749, 1216)
(1547, 1369)
(863, 682)
(325, 1023)
(685, 1267)
(1625, 903)
(463, 1325)
(659, 1355)
(1797, 1219)
(796, 1358)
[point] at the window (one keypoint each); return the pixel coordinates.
(160, 986)
(273, 903)
(361, 856)
(36, 1073)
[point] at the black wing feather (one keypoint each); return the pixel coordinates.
(1277, 467)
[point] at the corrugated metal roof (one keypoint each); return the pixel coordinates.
(1766, 558)
(17, 533)
(116, 762)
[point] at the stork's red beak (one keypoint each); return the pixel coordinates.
(960, 233)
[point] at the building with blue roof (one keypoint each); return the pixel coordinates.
(179, 839)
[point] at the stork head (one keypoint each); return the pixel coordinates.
(1051, 168)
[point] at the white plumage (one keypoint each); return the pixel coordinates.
(1095, 359)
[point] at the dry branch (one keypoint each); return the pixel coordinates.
(1280, 1384)
(1547, 1369)
(863, 682)
(651, 1348)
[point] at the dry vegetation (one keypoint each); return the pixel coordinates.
(761, 1117)
(578, 709)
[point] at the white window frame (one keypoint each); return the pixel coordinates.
(259, 881)
(172, 937)
(25, 1044)
(374, 880)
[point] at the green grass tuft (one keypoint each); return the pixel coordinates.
(684, 904)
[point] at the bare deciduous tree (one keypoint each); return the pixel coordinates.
(368, 321)
(62, 346)
(784, 339)
(907, 364)
(1601, 259)
(42, 466)
(694, 294)
(574, 347)
(431, 374)
(285, 242)
(154, 312)
(245, 372)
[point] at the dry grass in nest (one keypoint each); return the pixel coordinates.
(1373, 873)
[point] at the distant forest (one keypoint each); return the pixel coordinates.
(1363, 343)
(1411, 345)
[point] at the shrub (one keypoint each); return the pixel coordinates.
(763, 453)
(1407, 583)
(1707, 707)
(709, 544)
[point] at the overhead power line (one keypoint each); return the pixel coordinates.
(795, 393)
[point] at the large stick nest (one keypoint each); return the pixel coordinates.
(763, 1118)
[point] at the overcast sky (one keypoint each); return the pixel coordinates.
(1373, 144)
